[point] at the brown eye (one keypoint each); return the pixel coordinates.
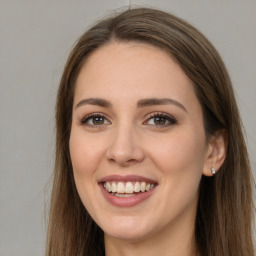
(95, 120)
(160, 120)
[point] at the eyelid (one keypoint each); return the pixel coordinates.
(91, 115)
(168, 117)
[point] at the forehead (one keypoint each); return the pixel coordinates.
(132, 69)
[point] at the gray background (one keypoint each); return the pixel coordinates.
(35, 39)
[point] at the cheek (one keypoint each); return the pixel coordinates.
(181, 162)
(181, 151)
(180, 158)
(85, 157)
(85, 154)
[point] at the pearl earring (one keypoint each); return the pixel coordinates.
(213, 171)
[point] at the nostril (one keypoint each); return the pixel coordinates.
(124, 150)
(120, 162)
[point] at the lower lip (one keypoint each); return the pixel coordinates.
(126, 201)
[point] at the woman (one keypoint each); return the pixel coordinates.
(150, 155)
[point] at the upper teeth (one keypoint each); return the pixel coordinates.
(127, 187)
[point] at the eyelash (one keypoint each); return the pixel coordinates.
(89, 117)
(166, 118)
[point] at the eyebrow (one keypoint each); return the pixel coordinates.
(165, 101)
(94, 101)
(141, 103)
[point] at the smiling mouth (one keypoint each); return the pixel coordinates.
(127, 189)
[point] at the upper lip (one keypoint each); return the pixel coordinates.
(126, 178)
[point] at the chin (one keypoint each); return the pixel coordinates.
(131, 236)
(129, 230)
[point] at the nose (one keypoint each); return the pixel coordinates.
(124, 148)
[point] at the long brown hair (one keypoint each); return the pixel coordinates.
(225, 206)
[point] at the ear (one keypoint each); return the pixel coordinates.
(216, 152)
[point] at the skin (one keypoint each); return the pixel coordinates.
(129, 141)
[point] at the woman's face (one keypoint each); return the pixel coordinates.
(137, 144)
